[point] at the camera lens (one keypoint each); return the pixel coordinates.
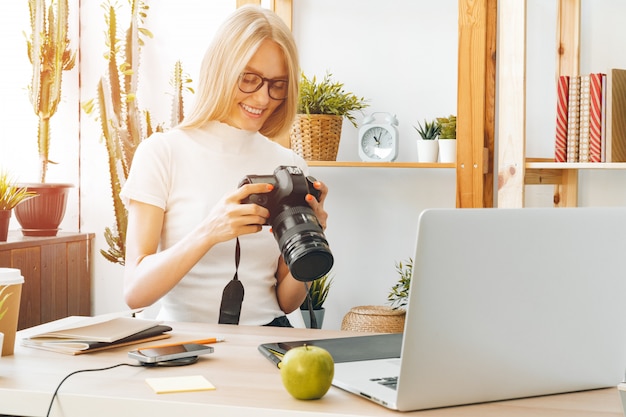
(302, 243)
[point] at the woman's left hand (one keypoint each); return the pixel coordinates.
(318, 206)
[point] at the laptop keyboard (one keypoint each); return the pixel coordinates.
(391, 382)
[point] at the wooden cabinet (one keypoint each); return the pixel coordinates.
(57, 275)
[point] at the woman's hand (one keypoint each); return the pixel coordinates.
(318, 206)
(230, 218)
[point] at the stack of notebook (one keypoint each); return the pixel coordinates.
(90, 334)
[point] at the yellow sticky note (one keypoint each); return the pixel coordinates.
(180, 384)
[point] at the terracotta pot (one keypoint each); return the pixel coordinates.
(5, 218)
(42, 215)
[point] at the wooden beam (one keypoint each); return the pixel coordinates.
(283, 8)
(471, 102)
(568, 59)
(511, 103)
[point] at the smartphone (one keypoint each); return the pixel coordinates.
(170, 353)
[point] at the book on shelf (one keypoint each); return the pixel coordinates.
(591, 117)
(595, 117)
(90, 334)
(616, 115)
(573, 118)
(583, 122)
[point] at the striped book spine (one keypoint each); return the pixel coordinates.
(573, 114)
(595, 117)
(583, 124)
(562, 91)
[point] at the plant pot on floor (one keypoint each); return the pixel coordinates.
(319, 318)
(42, 215)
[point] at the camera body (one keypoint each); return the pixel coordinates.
(296, 228)
(290, 189)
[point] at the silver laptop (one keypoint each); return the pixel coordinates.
(506, 303)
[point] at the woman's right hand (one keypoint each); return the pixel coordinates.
(230, 218)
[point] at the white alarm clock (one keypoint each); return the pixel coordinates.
(378, 141)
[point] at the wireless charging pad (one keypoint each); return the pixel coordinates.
(174, 362)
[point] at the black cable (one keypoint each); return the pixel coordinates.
(84, 370)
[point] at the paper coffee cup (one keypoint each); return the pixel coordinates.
(11, 281)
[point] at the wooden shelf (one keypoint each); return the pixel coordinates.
(550, 164)
(358, 164)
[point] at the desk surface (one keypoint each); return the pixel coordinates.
(244, 379)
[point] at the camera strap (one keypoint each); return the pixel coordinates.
(232, 296)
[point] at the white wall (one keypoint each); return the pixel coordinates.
(401, 55)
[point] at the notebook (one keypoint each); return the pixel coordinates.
(503, 304)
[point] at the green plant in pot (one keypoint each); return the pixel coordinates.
(322, 106)
(50, 54)
(313, 306)
(447, 127)
(11, 194)
(429, 131)
(447, 138)
(427, 144)
(398, 296)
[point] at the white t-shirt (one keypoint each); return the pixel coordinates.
(186, 172)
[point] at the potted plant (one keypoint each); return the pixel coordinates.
(10, 196)
(398, 296)
(447, 138)
(383, 318)
(312, 308)
(316, 132)
(427, 144)
(49, 51)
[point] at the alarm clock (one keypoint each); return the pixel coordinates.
(378, 141)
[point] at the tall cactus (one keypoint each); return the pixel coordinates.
(123, 124)
(50, 54)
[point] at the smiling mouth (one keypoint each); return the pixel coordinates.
(252, 110)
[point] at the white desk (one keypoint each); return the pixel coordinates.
(247, 385)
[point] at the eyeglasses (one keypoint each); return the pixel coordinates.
(249, 82)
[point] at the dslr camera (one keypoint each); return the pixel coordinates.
(295, 226)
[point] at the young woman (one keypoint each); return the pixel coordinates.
(186, 220)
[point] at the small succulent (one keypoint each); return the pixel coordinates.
(318, 291)
(447, 127)
(429, 131)
(399, 295)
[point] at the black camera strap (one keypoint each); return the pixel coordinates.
(232, 296)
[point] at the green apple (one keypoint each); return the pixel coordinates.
(307, 372)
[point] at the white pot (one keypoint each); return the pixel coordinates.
(447, 150)
(427, 150)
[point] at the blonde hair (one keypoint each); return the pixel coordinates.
(235, 43)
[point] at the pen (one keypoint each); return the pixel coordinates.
(199, 342)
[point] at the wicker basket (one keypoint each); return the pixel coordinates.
(377, 319)
(316, 137)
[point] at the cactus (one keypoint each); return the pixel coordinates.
(123, 124)
(50, 54)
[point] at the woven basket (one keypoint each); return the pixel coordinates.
(316, 137)
(377, 319)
